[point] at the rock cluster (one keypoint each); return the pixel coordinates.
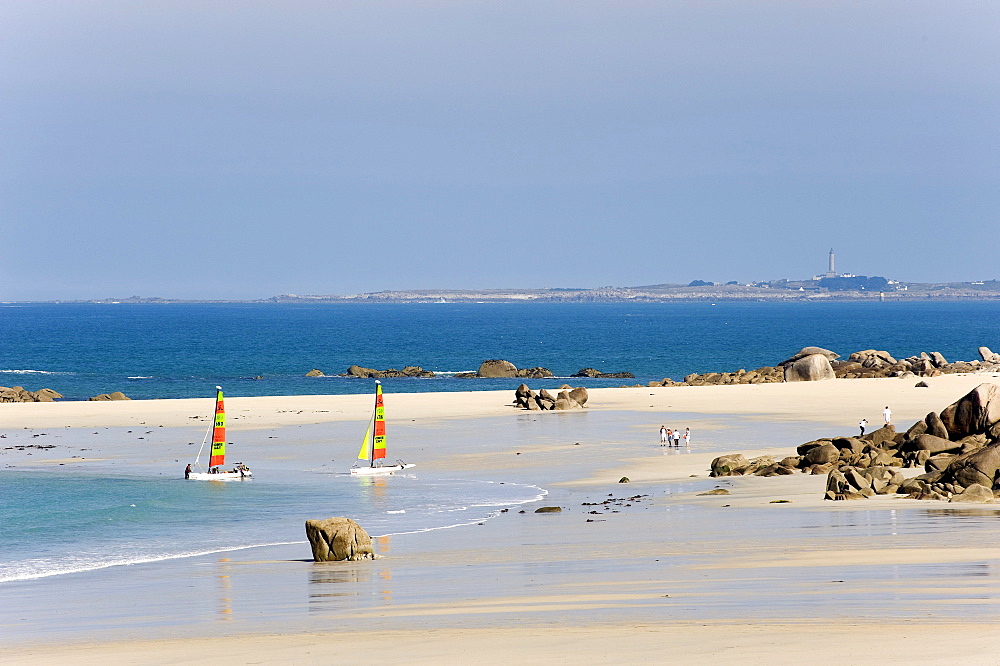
(597, 374)
(959, 450)
(765, 375)
(814, 363)
(408, 371)
(567, 398)
(20, 394)
(117, 395)
(876, 363)
(337, 539)
(493, 368)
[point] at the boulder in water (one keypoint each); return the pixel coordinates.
(337, 539)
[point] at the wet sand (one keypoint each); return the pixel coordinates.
(645, 572)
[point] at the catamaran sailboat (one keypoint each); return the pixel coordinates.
(373, 446)
(218, 455)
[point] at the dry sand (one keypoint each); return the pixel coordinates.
(926, 590)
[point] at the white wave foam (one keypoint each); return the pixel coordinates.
(33, 372)
(141, 377)
(81, 567)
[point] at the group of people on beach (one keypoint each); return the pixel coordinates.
(886, 416)
(673, 437)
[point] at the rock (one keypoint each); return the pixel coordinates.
(548, 509)
(20, 394)
(597, 374)
(973, 413)
(319, 373)
(337, 539)
(884, 435)
(117, 395)
(580, 395)
(822, 454)
(714, 491)
(729, 465)
(931, 444)
(979, 467)
(534, 373)
(811, 368)
(938, 359)
(935, 426)
(563, 401)
(976, 492)
(809, 351)
(989, 356)
(624, 479)
(358, 371)
(497, 368)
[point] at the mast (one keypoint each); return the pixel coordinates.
(218, 453)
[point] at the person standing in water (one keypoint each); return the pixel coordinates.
(677, 437)
(663, 435)
(687, 437)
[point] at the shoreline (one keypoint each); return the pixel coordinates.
(631, 580)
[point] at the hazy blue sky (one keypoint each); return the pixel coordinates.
(245, 149)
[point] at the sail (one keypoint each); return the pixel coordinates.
(378, 443)
(374, 449)
(363, 453)
(218, 456)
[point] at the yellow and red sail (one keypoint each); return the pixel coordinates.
(219, 433)
(375, 446)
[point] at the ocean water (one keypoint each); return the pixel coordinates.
(63, 523)
(184, 350)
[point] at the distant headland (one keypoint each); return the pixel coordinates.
(829, 286)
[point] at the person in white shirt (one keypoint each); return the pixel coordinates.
(663, 435)
(687, 436)
(863, 424)
(887, 415)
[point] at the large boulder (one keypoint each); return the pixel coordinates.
(580, 395)
(979, 467)
(319, 373)
(336, 539)
(973, 413)
(976, 493)
(931, 444)
(497, 368)
(358, 371)
(809, 368)
(730, 465)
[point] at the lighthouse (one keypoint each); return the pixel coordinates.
(832, 272)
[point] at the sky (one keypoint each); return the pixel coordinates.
(212, 149)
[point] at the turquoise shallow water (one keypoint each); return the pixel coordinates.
(183, 350)
(58, 523)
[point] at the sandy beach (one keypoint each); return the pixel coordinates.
(646, 572)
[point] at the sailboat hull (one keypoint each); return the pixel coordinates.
(221, 476)
(376, 471)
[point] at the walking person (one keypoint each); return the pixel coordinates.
(677, 437)
(670, 436)
(864, 424)
(887, 415)
(687, 437)
(663, 435)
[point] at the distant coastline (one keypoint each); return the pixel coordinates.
(780, 291)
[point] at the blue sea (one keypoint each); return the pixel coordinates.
(184, 350)
(110, 518)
